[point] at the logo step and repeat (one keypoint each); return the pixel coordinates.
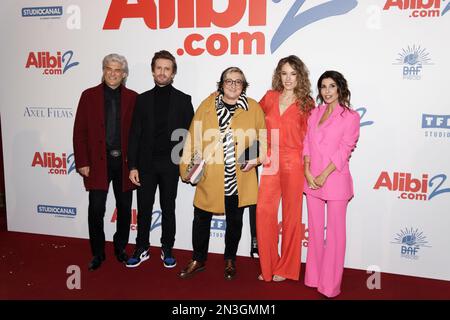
(402, 79)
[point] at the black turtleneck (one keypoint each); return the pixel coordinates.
(112, 117)
(162, 134)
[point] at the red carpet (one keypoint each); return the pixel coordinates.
(35, 267)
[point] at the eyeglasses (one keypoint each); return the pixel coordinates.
(237, 83)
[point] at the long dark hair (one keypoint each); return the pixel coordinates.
(344, 94)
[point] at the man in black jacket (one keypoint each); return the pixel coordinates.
(158, 112)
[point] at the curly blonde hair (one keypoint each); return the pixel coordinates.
(303, 89)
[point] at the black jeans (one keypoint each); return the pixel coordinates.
(201, 230)
(97, 208)
(164, 174)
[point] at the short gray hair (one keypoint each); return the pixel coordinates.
(114, 57)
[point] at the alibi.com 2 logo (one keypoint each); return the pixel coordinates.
(201, 15)
(51, 64)
(419, 8)
(156, 219)
(409, 187)
(56, 164)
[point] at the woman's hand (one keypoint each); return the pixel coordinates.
(320, 180)
(311, 181)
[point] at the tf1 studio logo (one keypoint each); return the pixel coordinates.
(56, 164)
(56, 64)
(436, 126)
(410, 242)
(410, 188)
(413, 59)
(218, 227)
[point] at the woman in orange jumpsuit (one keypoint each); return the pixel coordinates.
(286, 107)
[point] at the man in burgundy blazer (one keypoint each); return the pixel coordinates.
(100, 142)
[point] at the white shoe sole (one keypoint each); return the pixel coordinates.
(139, 263)
(165, 265)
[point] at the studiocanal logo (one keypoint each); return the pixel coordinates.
(48, 112)
(436, 126)
(413, 59)
(419, 8)
(51, 64)
(409, 188)
(65, 212)
(410, 241)
(43, 12)
(202, 14)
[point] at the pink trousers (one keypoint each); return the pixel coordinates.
(325, 257)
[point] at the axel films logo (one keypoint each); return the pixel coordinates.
(51, 64)
(43, 12)
(48, 112)
(56, 164)
(65, 212)
(410, 241)
(419, 8)
(413, 59)
(436, 126)
(202, 15)
(408, 187)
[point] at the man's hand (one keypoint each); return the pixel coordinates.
(134, 177)
(84, 171)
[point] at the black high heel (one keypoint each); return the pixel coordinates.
(254, 248)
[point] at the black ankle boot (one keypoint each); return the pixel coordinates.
(254, 248)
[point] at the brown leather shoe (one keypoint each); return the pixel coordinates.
(192, 268)
(230, 269)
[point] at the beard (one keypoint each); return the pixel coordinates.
(163, 81)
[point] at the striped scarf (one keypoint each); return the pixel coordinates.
(224, 115)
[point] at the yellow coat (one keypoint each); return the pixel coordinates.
(247, 127)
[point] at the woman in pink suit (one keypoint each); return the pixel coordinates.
(286, 109)
(333, 130)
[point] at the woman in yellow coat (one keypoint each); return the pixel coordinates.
(224, 125)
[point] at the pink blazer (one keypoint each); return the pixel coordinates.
(334, 142)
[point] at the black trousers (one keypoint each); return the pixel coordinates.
(97, 208)
(164, 174)
(201, 230)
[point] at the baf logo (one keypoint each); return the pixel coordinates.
(43, 12)
(418, 8)
(413, 59)
(64, 212)
(51, 64)
(409, 188)
(58, 165)
(410, 242)
(201, 14)
(218, 226)
(156, 219)
(436, 126)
